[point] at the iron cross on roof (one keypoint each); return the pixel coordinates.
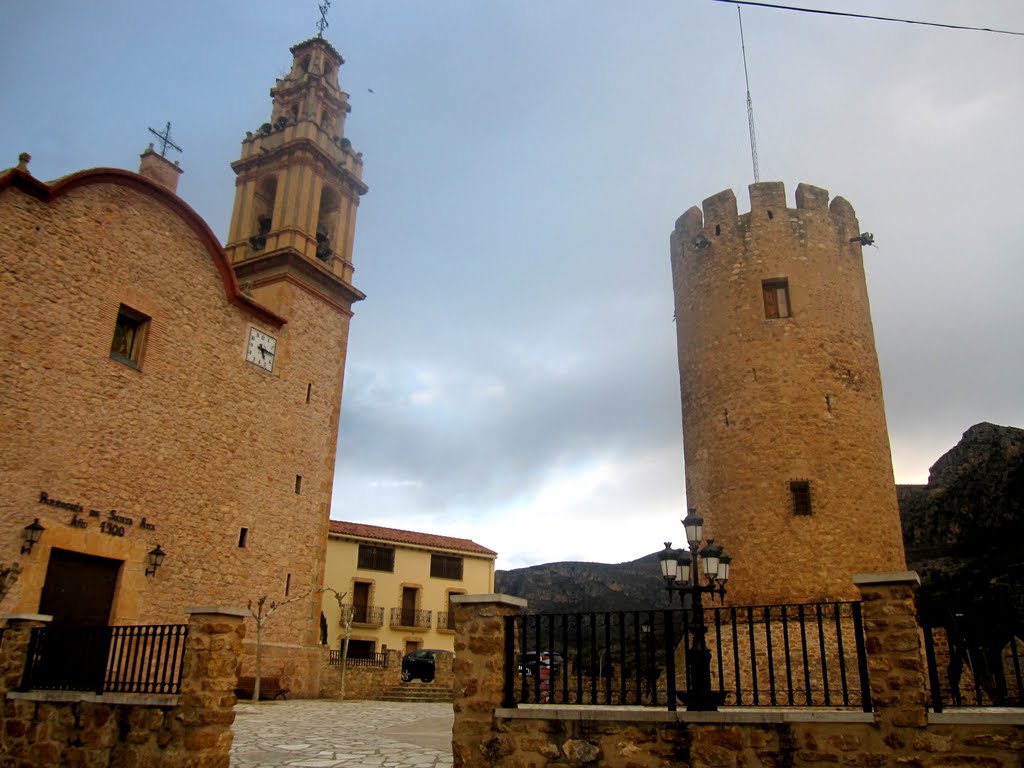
(165, 140)
(322, 24)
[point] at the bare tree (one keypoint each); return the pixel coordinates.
(262, 613)
(8, 575)
(347, 611)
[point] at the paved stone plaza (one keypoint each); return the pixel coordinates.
(326, 734)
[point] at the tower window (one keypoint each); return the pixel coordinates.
(129, 336)
(776, 299)
(800, 491)
(243, 537)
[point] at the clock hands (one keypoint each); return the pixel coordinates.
(264, 351)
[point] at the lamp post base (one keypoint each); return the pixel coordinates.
(698, 695)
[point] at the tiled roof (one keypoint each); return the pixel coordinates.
(408, 537)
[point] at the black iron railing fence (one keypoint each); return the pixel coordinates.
(809, 655)
(373, 660)
(407, 617)
(126, 659)
(446, 620)
(974, 671)
(367, 614)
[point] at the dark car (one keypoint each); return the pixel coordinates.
(530, 661)
(419, 664)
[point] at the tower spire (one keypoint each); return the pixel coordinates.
(321, 25)
(299, 183)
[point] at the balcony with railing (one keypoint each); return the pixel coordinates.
(366, 615)
(446, 621)
(408, 618)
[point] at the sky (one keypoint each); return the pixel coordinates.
(512, 375)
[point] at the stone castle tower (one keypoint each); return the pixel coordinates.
(298, 187)
(785, 441)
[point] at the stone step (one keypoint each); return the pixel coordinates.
(418, 692)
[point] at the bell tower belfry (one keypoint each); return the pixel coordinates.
(298, 187)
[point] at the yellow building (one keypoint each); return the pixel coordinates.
(398, 585)
(160, 393)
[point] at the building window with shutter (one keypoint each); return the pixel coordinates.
(129, 336)
(376, 558)
(800, 491)
(446, 567)
(776, 299)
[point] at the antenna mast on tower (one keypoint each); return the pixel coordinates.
(750, 103)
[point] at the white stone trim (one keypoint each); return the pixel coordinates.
(518, 602)
(131, 699)
(28, 617)
(631, 714)
(894, 577)
(224, 610)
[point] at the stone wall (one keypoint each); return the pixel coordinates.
(769, 401)
(60, 728)
(372, 682)
(169, 443)
(360, 682)
(900, 732)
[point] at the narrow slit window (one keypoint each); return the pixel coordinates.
(243, 537)
(776, 299)
(800, 491)
(298, 483)
(287, 584)
(309, 392)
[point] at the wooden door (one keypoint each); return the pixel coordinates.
(409, 606)
(78, 593)
(79, 589)
(360, 601)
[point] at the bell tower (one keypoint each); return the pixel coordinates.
(298, 187)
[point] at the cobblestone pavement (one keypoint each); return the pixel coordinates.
(330, 734)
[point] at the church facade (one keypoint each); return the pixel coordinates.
(170, 406)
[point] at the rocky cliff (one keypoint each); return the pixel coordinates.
(564, 587)
(963, 531)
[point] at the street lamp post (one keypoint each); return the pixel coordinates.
(699, 571)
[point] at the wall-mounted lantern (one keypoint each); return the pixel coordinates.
(30, 536)
(154, 560)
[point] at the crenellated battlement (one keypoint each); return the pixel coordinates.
(698, 228)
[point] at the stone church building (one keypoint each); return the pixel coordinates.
(169, 406)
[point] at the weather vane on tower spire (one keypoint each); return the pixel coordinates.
(324, 6)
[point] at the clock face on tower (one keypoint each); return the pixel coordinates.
(261, 349)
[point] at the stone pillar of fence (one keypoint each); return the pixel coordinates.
(206, 707)
(14, 649)
(479, 674)
(893, 643)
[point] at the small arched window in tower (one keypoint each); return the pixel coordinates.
(295, 113)
(304, 64)
(263, 212)
(325, 223)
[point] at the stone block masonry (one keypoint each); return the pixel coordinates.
(900, 733)
(785, 440)
(59, 728)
